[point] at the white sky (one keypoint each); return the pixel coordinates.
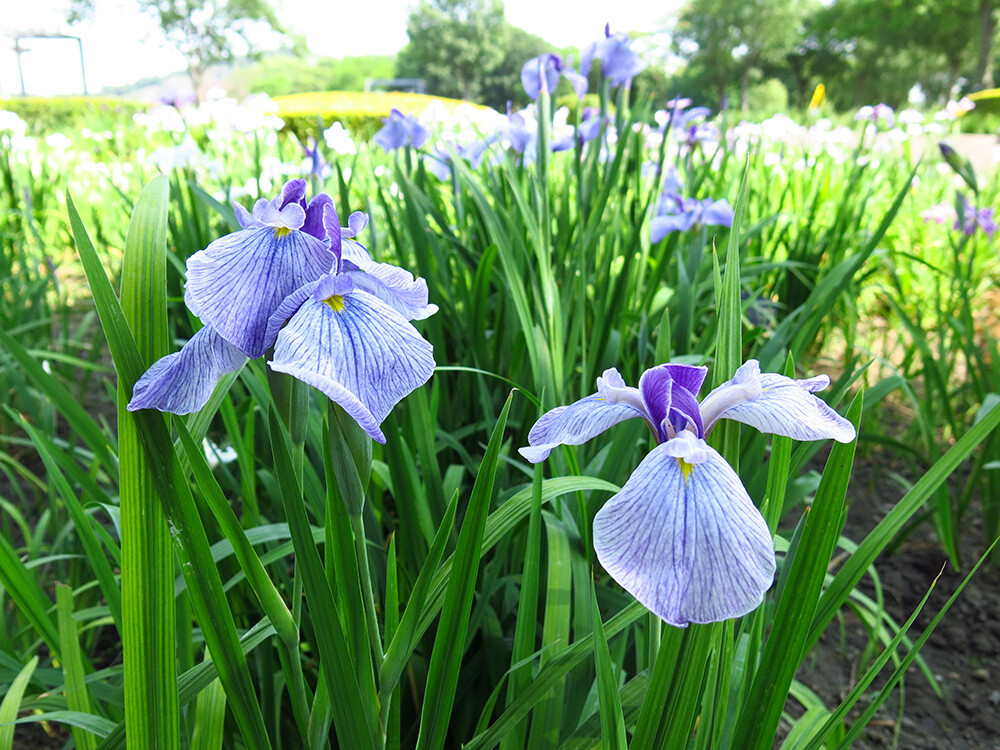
(121, 45)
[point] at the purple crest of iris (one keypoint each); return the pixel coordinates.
(345, 328)
(683, 535)
(399, 130)
(678, 214)
(619, 62)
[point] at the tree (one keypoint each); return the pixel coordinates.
(204, 31)
(905, 41)
(733, 39)
(452, 44)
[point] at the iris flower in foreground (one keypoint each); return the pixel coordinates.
(683, 535)
(295, 280)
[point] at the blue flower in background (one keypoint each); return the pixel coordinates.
(683, 535)
(400, 130)
(542, 74)
(677, 214)
(973, 217)
(343, 325)
(619, 62)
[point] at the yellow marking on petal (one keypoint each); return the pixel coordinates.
(686, 468)
(336, 303)
(282, 231)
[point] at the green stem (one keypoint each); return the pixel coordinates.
(360, 548)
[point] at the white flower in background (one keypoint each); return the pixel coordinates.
(339, 140)
(162, 119)
(58, 142)
(11, 124)
(177, 157)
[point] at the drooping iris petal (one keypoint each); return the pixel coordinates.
(182, 382)
(357, 350)
(778, 405)
(717, 213)
(580, 421)
(661, 226)
(238, 281)
(684, 538)
(396, 287)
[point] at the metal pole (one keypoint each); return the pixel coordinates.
(83, 72)
(20, 70)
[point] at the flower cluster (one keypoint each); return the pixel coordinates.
(399, 130)
(293, 279)
(683, 535)
(678, 214)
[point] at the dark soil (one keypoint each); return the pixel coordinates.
(962, 654)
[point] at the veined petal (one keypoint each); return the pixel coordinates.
(670, 392)
(237, 282)
(684, 538)
(575, 424)
(182, 382)
(357, 350)
(396, 287)
(781, 406)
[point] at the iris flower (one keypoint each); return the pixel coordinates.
(294, 279)
(619, 62)
(677, 214)
(973, 217)
(400, 130)
(683, 535)
(542, 74)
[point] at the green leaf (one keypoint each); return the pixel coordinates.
(449, 642)
(761, 710)
(11, 705)
(77, 696)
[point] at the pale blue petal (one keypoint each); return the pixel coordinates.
(237, 282)
(182, 382)
(787, 407)
(395, 286)
(690, 549)
(366, 357)
(574, 425)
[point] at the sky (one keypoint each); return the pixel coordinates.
(122, 45)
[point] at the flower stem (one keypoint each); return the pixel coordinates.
(360, 548)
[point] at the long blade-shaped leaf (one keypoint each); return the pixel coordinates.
(442, 673)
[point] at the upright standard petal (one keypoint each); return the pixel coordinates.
(356, 349)
(182, 382)
(239, 280)
(684, 538)
(777, 405)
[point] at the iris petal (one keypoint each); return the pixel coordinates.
(182, 382)
(574, 425)
(687, 542)
(396, 287)
(239, 280)
(359, 351)
(786, 407)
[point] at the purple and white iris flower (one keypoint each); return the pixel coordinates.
(542, 74)
(399, 130)
(292, 278)
(619, 62)
(683, 535)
